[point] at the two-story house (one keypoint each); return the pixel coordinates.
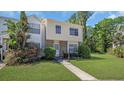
(64, 37)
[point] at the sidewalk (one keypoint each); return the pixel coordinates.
(79, 73)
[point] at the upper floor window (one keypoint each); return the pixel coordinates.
(34, 30)
(33, 25)
(58, 29)
(74, 31)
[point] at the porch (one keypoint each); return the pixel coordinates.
(62, 47)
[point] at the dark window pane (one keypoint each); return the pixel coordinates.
(34, 30)
(73, 31)
(58, 29)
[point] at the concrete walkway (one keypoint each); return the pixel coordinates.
(78, 72)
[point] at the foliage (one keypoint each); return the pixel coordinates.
(10, 58)
(50, 52)
(26, 55)
(25, 27)
(110, 51)
(118, 38)
(17, 32)
(90, 38)
(118, 51)
(104, 30)
(81, 18)
(12, 32)
(19, 53)
(84, 51)
(106, 33)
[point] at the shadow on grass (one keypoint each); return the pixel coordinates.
(44, 61)
(96, 58)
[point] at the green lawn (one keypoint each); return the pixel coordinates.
(37, 71)
(102, 66)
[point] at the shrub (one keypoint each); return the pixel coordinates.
(84, 51)
(20, 56)
(10, 58)
(49, 52)
(118, 51)
(110, 51)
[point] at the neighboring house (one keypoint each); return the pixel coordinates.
(3, 34)
(35, 30)
(64, 37)
(34, 33)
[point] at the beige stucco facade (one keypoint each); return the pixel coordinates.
(65, 36)
(63, 39)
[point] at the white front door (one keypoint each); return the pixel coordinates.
(57, 47)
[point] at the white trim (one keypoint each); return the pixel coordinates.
(57, 51)
(71, 42)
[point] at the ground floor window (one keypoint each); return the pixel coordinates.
(73, 48)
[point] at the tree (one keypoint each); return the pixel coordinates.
(25, 28)
(90, 38)
(119, 20)
(84, 51)
(17, 32)
(81, 18)
(118, 37)
(73, 19)
(106, 33)
(105, 29)
(12, 32)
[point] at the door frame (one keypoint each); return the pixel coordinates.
(57, 54)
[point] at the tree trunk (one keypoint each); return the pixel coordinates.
(24, 41)
(84, 31)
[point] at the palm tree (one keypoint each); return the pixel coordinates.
(12, 32)
(17, 32)
(25, 27)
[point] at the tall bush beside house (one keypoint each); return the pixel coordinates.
(111, 51)
(19, 56)
(118, 51)
(84, 51)
(18, 51)
(49, 52)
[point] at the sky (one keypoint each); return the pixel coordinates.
(64, 15)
